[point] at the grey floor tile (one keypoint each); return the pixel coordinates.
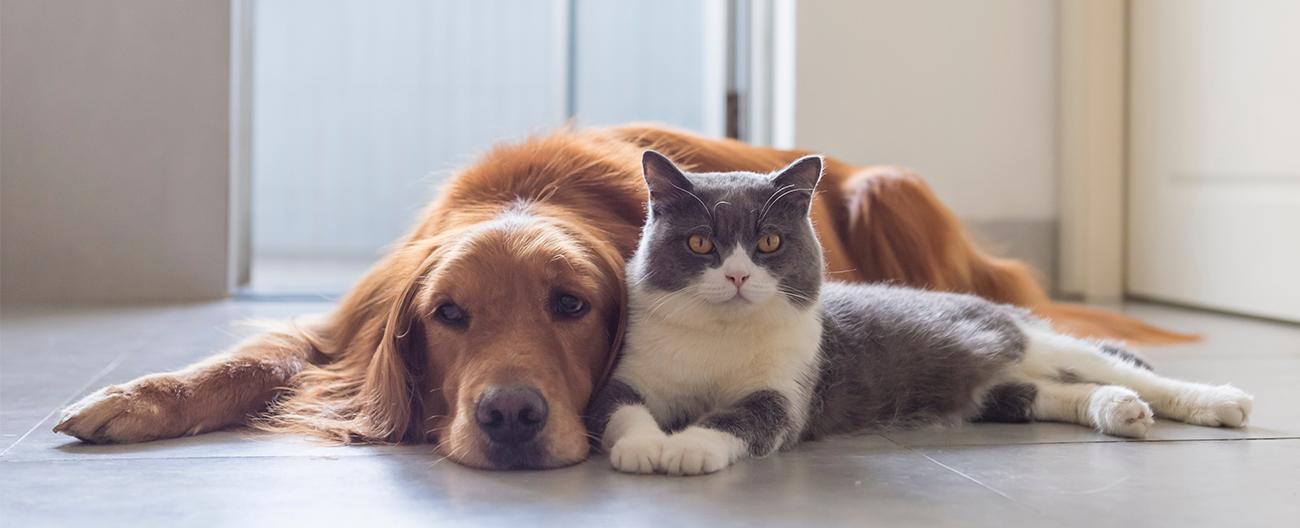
(52, 356)
(1203, 483)
(976, 475)
(1221, 335)
(839, 483)
(45, 445)
(1275, 415)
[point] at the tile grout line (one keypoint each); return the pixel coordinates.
(953, 470)
(89, 383)
(1088, 442)
(109, 458)
(967, 477)
(140, 343)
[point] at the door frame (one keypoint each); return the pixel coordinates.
(1093, 147)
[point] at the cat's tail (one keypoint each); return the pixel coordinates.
(898, 231)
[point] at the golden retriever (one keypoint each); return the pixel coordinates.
(488, 327)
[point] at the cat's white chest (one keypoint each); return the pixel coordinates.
(687, 371)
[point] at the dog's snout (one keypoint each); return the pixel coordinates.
(511, 415)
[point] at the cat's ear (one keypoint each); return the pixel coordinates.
(800, 178)
(665, 180)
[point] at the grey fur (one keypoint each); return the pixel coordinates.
(1125, 354)
(731, 208)
(889, 357)
(897, 357)
(615, 394)
(1066, 375)
(759, 419)
(1009, 402)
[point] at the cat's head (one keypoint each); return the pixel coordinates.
(729, 243)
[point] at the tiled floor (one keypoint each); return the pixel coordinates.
(979, 475)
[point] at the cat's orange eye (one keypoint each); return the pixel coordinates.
(700, 244)
(769, 243)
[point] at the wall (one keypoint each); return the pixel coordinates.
(964, 92)
(114, 149)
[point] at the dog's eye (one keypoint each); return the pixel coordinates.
(450, 313)
(570, 306)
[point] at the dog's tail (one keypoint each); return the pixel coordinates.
(1086, 321)
(898, 231)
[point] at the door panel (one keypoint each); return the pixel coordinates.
(1214, 161)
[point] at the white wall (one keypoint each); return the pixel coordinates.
(113, 149)
(963, 91)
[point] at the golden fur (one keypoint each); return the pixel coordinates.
(558, 212)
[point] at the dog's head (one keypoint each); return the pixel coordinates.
(495, 345)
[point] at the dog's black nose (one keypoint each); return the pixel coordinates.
(511, 415)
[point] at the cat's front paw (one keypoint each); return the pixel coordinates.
(698, 450)
(637, 453)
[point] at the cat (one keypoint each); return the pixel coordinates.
(736, 347)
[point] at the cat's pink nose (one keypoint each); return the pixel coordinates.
(738, 280)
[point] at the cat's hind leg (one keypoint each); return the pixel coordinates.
(1051, 355)
(1110, 409)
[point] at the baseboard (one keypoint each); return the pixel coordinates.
(1034, 241)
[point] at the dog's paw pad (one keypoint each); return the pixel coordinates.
(1118, 411)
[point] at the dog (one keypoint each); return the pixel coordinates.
(488, 327)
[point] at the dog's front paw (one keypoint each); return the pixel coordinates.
(637, 453)
(1222, 406)
(698, 450)
(134, 412)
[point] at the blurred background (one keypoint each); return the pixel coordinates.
(270, 149)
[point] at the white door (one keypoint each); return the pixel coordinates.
(1214, 155)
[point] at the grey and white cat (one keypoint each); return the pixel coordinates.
(736, 348)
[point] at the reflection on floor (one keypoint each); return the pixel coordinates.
(978, 475)
(280, 275)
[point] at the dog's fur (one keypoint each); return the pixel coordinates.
(560, 212)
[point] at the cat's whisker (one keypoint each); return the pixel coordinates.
(659, 304)
(643, 278)
(763, 210)
(697, 198)
(690, 303)
(794, 294)
(778, 198)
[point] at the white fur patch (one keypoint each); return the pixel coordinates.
(716, 286)
(637, 453)
(687, 359)
(1225, 406)
(634, 440)
(1048, 354)
(704, 347)
(1118, 411)
(697, 450)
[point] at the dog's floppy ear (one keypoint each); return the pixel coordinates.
(612, 265)
(391, 395)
